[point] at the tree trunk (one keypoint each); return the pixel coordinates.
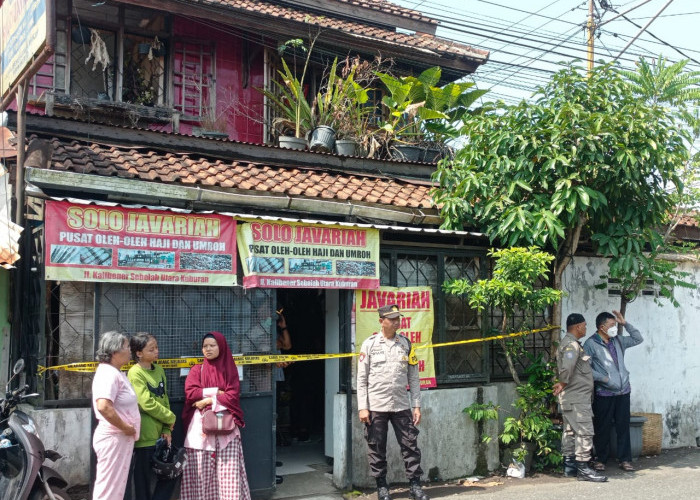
(564, 256)
(509, 359)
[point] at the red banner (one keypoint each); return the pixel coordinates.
(117, 244)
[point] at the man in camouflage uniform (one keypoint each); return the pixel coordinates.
(575, 391)
(383, 372)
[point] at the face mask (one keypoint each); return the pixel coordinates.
(612, 331)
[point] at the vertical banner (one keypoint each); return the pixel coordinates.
(416, 305)
(117, 244)
(298, 255)
(22, 35)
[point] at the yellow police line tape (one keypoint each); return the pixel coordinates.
(260, 359)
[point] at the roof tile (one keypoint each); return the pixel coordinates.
(167, 167)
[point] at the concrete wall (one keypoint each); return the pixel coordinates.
(448, 438)
(664, 369)
(67, 431)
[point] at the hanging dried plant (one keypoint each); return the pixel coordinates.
(98, 51)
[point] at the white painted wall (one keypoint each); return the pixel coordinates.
(665, 368)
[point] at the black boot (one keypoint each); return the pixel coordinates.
(569, 466)
(416, 491)
(382, 489)
(585, 473)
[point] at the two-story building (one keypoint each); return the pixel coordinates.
(153, 114)
(120, 119)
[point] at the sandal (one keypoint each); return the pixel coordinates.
(627, 467)
(598, 466)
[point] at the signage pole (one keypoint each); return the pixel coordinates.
(22, 92)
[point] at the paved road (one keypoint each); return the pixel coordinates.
(675, 474)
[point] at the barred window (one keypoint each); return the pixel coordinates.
(193, 78)
(454, 319)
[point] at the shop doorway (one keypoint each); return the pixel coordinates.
(301, 461)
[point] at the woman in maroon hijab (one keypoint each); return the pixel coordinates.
(215, 467)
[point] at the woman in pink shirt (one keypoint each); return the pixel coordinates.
(215, 467)
(118, 419)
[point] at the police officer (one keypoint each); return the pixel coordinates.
(383, 372)
(575, 391)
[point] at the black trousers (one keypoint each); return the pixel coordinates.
(143, 483)
(609, 411)
(406, 435)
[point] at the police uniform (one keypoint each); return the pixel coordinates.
(575, 400)
(383, 372)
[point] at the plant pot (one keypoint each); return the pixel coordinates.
(346, 147)
(290, 142)
(432, 155)
(406, 152)
(80, 34)
(144, 48)
(322, 139)
(213, 134)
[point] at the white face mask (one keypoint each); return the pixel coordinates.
(612, 331)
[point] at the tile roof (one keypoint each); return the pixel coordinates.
(356, 27)
(689, 220)
(192, 170)
(389, 8)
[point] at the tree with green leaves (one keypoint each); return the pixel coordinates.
(587, 152)
(511, 289)
(662, 84)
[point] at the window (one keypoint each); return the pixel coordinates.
(106, 52)
(193, 78)
(454, 319)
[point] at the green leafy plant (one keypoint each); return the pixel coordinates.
(587, 151)
(481, 412)
(419, 110)
(533, 423)
(512, 288)
(287, 97)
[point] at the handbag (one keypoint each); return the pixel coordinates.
(217, 422)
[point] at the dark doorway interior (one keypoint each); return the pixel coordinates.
(300, 396)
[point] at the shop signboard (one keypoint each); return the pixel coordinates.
(135, 245)
(23, 33)
(416, 305)
(299, 255)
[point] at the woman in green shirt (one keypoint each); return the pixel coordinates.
(148, 380)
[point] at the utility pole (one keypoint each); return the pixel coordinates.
(590, 27)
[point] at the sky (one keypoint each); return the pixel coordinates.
(527, 39)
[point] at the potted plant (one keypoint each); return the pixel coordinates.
(324, 111)
(354, 113)
(406, 109)
(420, 114)
(289, 100)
